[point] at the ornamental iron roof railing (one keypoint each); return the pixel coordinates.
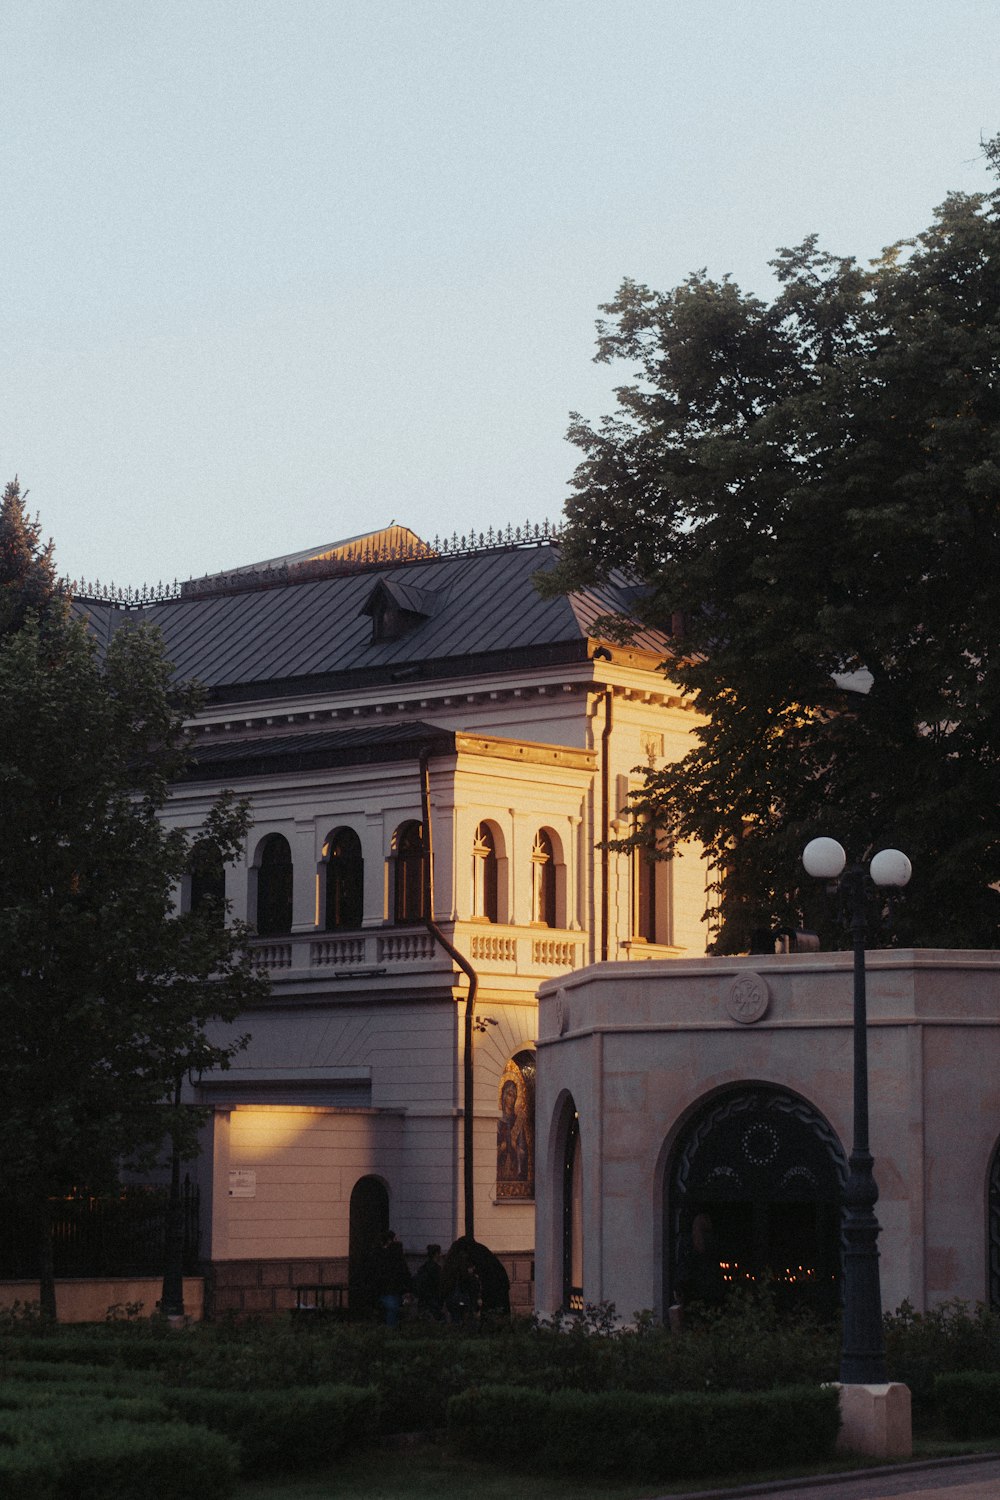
(357, 557)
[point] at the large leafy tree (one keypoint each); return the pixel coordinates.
(812, 485)
(107, 991)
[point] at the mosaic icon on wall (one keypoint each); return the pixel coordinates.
(516, 1129)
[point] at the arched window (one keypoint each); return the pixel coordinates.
(516, 1129)
(484, 874)
(345, 880)
(573, 1219)
(274, 887)
(408, 873)
(207, 876)
(543, 880)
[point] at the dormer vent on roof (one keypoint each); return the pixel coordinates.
(397, 607)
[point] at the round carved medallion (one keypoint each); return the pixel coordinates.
(562, 1014)
(748, 998)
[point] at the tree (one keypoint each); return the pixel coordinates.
(812, 484)
(107, 991)
(27, 570)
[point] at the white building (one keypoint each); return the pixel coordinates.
(357, 694)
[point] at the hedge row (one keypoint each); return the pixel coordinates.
(77, 1460)
(298, 1428)
(968, 1404)
(627, 1435)
(266, 1431)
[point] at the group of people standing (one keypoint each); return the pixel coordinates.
(442, 1290)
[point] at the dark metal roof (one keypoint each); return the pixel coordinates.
(312, 750)
(487, 611)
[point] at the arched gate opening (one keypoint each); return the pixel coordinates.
(753, 1198)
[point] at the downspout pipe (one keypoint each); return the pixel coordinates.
(606, 821)
(468, 1184)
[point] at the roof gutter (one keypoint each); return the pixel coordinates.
(606, 821)
(468, 1122)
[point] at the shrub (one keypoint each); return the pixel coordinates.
(301, 1427)
(77, 1459)
(949, 1338)
(29, 1471)
(132, 1462)
(968, 1404)
(644, 1437)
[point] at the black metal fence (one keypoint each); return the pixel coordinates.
(116, 1236)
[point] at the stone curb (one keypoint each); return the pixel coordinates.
(843, 1476)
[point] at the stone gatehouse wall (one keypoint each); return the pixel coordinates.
(269, 1287)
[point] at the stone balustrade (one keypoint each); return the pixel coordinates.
(507, 950)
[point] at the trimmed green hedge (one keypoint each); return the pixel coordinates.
(968, 1404)
(284, 1430)
(77, 1460)
(628, 1435)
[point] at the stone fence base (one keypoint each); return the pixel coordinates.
(269, 1287)
(90, 1299)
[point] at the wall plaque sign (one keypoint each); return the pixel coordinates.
(242, 1183)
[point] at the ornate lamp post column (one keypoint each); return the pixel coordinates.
(862, 1360)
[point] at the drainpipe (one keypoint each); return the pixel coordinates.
(606, 822)
(468, 1187)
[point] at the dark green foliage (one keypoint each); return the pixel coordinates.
(28, 583)
(748, 1348)
(297, 1428)
(968, 1404)
(951, 1337)
(79, 1449)
(107, 992)
(645, 1437)
(134, 1462)
(813, 485)
(30, 1471)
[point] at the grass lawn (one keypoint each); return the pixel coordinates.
(428, 1471)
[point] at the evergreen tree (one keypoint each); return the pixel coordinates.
(813, 485)
(28, 581)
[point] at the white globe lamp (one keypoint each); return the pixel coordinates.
(824, 859)
(890, 867)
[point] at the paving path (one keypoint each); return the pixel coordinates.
(951, 1479)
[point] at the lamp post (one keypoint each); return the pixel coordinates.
(862, 1359)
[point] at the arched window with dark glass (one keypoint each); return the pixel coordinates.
(543, 880)
(484, 874)
(408, 873)
(274, 887)
(207, 876)
(345, 880)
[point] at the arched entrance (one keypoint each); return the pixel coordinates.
(369, 1220)
(993, 1231)
(572, 1218)
(754, 1196)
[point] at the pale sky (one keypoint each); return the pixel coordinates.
(275, 272)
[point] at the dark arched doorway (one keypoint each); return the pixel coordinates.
(369, 1220)
(993, 1232)
(572, 1218)
(755, 1185)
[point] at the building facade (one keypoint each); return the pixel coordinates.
(405, 718)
